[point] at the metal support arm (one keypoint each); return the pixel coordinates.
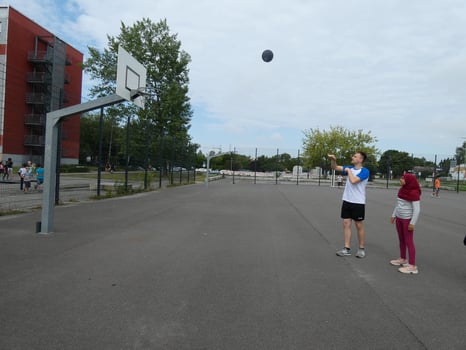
(50, 155)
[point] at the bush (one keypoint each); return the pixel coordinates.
(74, 168)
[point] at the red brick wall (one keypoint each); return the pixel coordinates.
(21, 38)
(71, 127)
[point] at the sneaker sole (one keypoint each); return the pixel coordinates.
(415, 272)
(343, 255)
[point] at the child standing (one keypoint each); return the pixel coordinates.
(436, 189)
(39, 177)
(27, 179)
(405, 215)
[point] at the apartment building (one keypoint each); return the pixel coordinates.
(39, 73)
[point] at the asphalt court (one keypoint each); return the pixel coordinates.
(232, 266)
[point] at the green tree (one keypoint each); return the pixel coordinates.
(89, 140)
(167, 113)
(281, 162)
(460, 153)
(422, 167)
(422, 162)
(286, 162)
(229, 161)
(445, 165)
(339, 141)
(396, 162)
(264, 164)
(371, 164)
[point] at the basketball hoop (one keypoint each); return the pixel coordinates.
(144, 91)
(131, 78)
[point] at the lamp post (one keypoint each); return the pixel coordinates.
(127, 151)
(99, 159)
(147, 155)
(276, 167)
(297, 169)
(458, 164)
(388, 169)
(320, 169)
(232, 154)
(459, 150)
(464, 156)
(255, 167)
(161, 157)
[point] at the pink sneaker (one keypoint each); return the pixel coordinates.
(408, 269)
(399, 262)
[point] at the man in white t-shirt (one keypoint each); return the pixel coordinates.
(354, 200)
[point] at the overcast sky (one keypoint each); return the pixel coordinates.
(395, 68)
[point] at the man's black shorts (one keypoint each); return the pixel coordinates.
(353, 211)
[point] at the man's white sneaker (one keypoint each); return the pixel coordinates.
(361, 253)
(344, 252)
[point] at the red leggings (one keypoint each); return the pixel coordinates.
(406, 240)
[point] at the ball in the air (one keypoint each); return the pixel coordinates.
(267, 55)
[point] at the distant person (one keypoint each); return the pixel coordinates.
(405, 215)
(339, 180)
(436, 188)
(39, 177)
(22, 173)
(354, 201)
(27, 178)
(32, 166)
(8, 169)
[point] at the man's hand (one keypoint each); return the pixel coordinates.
(392, 219)
(333, 162)
(410, 227)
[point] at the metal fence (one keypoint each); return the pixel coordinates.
(76, 188)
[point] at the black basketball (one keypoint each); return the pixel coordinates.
(267, 56)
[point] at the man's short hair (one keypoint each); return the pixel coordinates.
(363, 154)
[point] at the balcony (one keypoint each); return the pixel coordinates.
(34, 119)
(36, 77)
(34, 140)
(35, 98)
(40, 57)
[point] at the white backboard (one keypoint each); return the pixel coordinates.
(131, 76)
